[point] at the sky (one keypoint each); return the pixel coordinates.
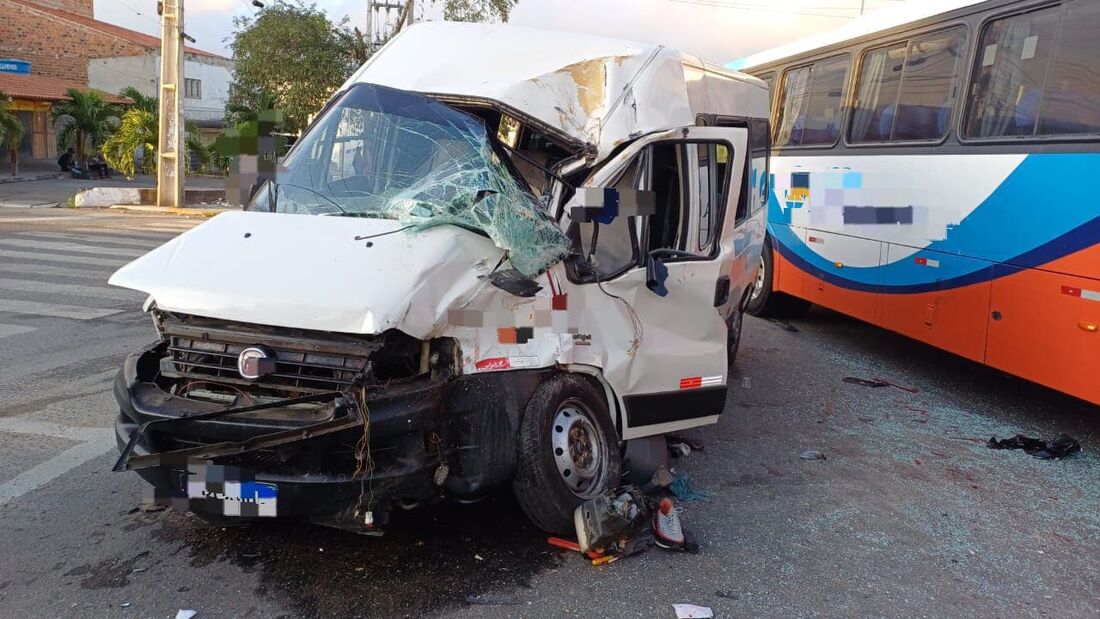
(717, 30)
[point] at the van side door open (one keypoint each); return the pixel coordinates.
(665, 340)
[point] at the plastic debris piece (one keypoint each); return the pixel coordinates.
(603, 519)
(479, 557)
(186, 613)
(125, 604)
(812, 454)
(692, 611)
(1057, 449)
(681, 489)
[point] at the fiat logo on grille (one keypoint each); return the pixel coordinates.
(255, 361)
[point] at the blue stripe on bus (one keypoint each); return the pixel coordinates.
(1034, 216)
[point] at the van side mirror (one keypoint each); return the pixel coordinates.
(603, 204)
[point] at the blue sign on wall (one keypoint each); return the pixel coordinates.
(11, 65)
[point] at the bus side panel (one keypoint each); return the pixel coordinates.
(1041, 328)
(819, 287)
(787, 277)
(954, 319)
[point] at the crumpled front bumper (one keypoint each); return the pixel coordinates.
(314, 476)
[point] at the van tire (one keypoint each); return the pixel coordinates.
(539, 483)
(733, 336)
(768, 303)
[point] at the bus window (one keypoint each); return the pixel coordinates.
(1010, 65)
(769, 79)
(906, 90)
(1073, 86)
(810, 103)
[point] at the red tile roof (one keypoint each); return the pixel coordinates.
(133, 36)
(42, 88)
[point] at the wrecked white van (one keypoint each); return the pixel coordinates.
(496, 257)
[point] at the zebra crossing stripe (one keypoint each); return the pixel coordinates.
(55, 310)
(142, 242)
(102, 292)
(8, 330)
(65, 258)
(72, 247)
(23, 269)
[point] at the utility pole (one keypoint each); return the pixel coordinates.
(170, 149)
(403, 8)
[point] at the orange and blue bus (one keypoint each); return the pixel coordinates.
(932, 173)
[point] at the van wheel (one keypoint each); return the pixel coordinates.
(767, 303)
(568, 451)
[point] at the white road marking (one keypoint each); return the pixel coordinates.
(140, 242)
(24, 425)
(42, 474)
(77, 247)
(27, 268)
(30, 255)
(55, 310)
(101, 292)
(6, 330)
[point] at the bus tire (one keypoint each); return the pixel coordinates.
(766, 302)
(568, 452)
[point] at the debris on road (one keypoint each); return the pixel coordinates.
(186, 613)
(692, 611)
(1057, 449)
(877, 382)
(812, 454)
(681, 489)
(604, 521)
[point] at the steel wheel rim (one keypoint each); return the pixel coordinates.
(758, 285)
(578, 449)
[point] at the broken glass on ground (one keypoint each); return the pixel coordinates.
(389, 154)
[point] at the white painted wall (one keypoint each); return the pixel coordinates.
(143, 72)
(113, 74)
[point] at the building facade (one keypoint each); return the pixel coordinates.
(66, 47)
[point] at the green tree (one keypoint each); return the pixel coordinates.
(141, 101)
(290, 51)
(11, 131)
(477, 10)
(140, 127)
(86, 119)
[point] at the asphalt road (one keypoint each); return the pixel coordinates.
(910, 515)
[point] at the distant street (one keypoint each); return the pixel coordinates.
(909, 515)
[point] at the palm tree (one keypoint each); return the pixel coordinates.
(140, 128)
(11, 132)
(85, 117)
(140, 100)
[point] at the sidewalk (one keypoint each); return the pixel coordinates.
(54, 191)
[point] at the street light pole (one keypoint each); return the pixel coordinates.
(170, 150)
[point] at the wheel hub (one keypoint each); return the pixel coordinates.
(577, 449)
(758, 285)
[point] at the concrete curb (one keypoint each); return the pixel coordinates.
(189, 211)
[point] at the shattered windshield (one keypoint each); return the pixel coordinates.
(391, 154)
